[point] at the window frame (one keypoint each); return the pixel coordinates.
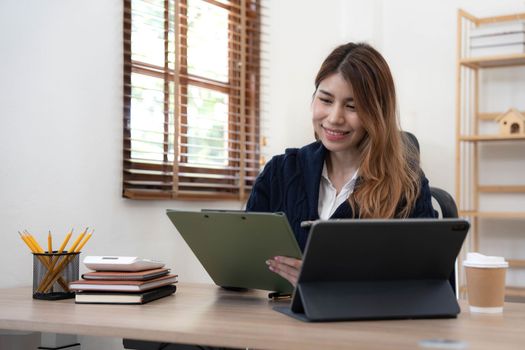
(179, 179)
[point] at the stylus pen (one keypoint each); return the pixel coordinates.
(307, 223)
(278, 296)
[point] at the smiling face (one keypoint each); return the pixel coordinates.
(335, 119)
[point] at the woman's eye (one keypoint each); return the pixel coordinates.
(325, 100)
(350, 107)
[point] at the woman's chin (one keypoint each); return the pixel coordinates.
(336, 146)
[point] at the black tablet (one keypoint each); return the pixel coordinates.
(378, 269)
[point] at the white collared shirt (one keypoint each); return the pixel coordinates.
(329, 200)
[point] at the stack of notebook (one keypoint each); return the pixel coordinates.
(123, 287)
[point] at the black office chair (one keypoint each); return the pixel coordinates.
(446, 203)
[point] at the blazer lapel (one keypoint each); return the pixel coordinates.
(312, 160)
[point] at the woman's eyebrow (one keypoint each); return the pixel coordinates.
(326, 92)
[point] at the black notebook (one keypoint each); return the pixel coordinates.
(124, 298)
(378, 269)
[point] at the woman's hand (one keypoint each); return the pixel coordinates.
(285, 267)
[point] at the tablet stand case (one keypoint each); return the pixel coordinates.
(339, 301)
(375, 293)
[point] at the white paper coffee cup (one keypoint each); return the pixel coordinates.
(485, 282)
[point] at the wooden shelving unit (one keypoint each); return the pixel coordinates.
(477, 138)
(493, 214)
(468, 137)
(494, 61)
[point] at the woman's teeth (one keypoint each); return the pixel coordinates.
(336, 132)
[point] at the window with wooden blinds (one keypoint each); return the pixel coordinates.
(191, 98)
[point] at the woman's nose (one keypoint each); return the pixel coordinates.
(336, 115)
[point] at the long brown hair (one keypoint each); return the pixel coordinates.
(389, 171)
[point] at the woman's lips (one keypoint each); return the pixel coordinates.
(335, 135)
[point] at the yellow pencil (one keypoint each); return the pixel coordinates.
(49, 243)
(77, 241)
(61, 249)
(35, 243)
(84, 242)
(27, 242)
(66, 239)
(33, 249)
(55, 273)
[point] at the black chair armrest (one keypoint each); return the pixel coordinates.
(445, 201)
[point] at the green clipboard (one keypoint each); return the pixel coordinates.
(233, 246)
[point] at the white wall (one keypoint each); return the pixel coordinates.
(61, 111)
(61, 139)
(294, 52)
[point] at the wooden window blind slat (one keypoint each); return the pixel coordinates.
(191, 81)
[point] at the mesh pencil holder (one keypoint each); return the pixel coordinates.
(52, 274)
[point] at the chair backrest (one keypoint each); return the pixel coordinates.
(446, 203)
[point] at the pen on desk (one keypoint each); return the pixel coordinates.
(275, 296)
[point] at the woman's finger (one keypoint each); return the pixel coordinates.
(284, 271)
(291, 273)
(291, 270)
(289, 261)
(291, 278)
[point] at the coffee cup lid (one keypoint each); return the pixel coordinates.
(480, 260)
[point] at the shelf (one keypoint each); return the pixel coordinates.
(491, 116)
(509, 291)
(493, 214)
(515, 291)
(501, 188)
(494, 61)
(471, 117)
(518, 263)
(477, 138)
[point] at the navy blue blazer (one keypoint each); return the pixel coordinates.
(290, 182)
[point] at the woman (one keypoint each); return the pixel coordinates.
(360, 165)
